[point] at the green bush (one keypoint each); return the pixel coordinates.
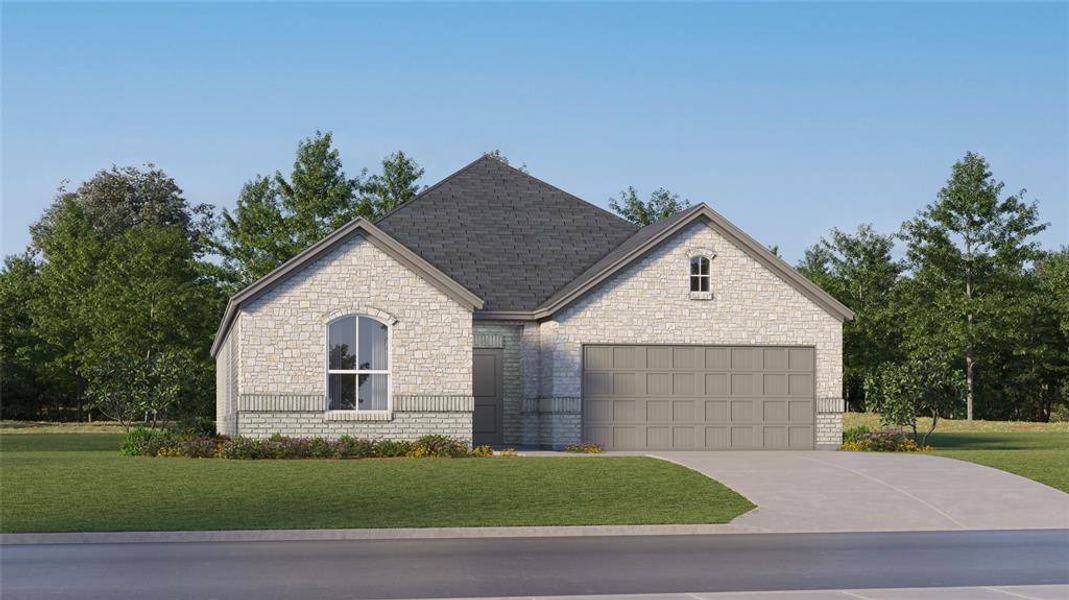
(392, 448)
(438, 446)
(144, 441)
(886, 440)
(584, 448)
(854, 433)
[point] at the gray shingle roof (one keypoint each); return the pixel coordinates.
(508, 237)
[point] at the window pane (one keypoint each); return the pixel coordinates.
(342, 392)
(704, 262)
(373, 345)
(373, 392)
(695, 265)
(695, 283)
(704, 283)
(342, 344)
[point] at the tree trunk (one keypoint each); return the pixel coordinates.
(968, 341)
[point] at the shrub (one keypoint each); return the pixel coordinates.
(205, 447)
(482, 452)
(392, 448)
(508, 453)
(240, 448)
(854, 433)
(143, 441)
(584, 448)
(885, 440)
(350, 447)
(437, 446)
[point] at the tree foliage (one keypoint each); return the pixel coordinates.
(277, 217)
(858, 270)
(916, 387)
(661, 205)
(967, 253)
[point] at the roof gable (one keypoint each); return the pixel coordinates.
(651, 236)
(375, 236)
(510, 238)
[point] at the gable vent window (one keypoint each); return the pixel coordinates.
(699, 274)
(358, 373)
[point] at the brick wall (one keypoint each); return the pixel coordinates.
(280, 348)
(649, 303)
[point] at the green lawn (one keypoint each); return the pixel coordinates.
(1038, 451)
(79, 482)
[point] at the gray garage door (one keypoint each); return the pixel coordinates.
(698, 397)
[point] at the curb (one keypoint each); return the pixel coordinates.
(429, 533)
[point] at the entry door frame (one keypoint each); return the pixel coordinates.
(497, 401)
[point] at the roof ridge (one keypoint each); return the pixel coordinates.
(430, 188)
(566, 193)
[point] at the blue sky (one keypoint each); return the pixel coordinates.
(787, 118)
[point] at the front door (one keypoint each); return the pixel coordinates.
(489, 391)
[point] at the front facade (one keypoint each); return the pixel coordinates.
(496, 309)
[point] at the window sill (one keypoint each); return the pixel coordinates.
(358, 415)
(701, 295)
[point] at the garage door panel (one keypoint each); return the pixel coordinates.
(775, 359)
(659, 384)
(741, 411)
(717, 411)
(774, 438)
(717, 384)
(742, 384)
(698, 397)
(800, 438)
(800, 411)
(800, 384)
(774, 411)
(718, 359)
(683, 384)
(628, 384)
(775, 384)
(718, 438)
(683, 411)
(658, 411)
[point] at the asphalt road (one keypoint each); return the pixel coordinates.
(533, 566)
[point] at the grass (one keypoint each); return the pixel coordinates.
(79, 482)
(1038, 451)
(18, 427)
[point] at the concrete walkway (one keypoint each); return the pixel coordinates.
(1028, 592)
(857, 491)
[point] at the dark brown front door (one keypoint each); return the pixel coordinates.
(488, 389)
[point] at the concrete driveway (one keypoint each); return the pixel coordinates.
(854, 491)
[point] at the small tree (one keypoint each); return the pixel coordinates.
(129, 389)
(916, 387)
(661, 205)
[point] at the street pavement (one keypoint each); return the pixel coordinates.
(530, 567)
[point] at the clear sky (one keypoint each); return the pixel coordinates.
(789, 119)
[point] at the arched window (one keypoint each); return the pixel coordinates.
(358, 367)
(699, 274)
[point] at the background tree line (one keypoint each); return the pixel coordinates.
(113, 306)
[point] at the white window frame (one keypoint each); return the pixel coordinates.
(357, 372)
(707, 277)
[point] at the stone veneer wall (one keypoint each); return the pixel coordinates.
(226, 384)
(281, 348)
(649, 303)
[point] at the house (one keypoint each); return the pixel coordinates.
(498, 309)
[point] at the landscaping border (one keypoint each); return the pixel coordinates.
(413, 533)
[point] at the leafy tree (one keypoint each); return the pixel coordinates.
(966, 252)
(858, 270)
(498, 155)
(278, 217)
(903, 391)
(109, 265)
(661, 205)
(25, 387)
(131, 389)
(123, 197)
(396, 184)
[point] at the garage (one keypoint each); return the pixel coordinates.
(698, 397)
